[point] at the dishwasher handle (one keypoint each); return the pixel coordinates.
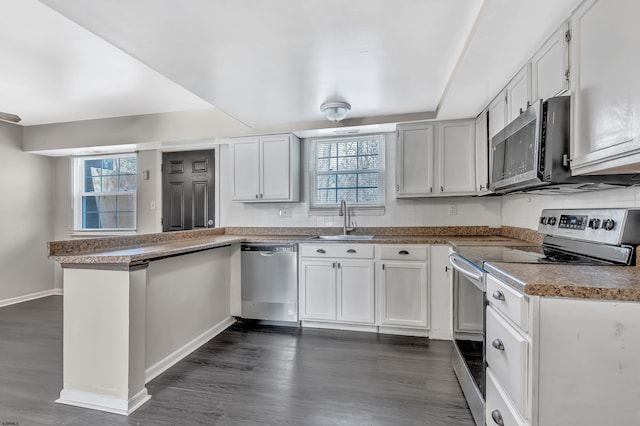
(267, 253)
(467, 270)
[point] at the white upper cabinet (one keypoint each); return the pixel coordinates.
(414, 160)
(456, 157)
(436, 159)
(519, 93)
(606, 102)
(550, 66)
(266, 168)
(497, 110)
(482, 154)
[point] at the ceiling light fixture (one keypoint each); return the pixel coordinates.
(335, 111)
(10, 117)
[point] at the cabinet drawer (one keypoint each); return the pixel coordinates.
(513, 304)
(507, 356)
(497, 406)
(402, 252)
(345, 251)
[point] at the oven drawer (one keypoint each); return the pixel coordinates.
(507, 355)
(498, 408)
(401, 252)
(513, 304)
(352, 251)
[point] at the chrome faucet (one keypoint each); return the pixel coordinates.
(344, 211)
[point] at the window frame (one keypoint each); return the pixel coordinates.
(316, 208)
(77, 165)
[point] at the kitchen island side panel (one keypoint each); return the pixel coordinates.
(188, 296)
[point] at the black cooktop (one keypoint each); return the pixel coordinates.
(524, 254)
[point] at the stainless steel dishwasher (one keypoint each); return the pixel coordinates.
(269, 282)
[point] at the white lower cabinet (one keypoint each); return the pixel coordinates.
(577, 364)
(403, 287)
(337, 283)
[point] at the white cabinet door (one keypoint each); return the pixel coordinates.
(355, 291)
(440, 285)
(414, 161)
(497, 115)
(317, 290)
(550, 67)
(246, 169)
(456, 158)
(606, 102)
(403, 294)
(276, 171)
(482, 154)
(518, 93)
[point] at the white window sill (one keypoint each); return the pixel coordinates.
(353, 211)
(97, 233)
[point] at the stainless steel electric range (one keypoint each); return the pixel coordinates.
(572, 236)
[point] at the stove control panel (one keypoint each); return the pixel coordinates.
(608, 226)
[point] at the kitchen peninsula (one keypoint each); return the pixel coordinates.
(136, 305)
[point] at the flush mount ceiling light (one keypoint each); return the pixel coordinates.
(9, 117)
(335, 111)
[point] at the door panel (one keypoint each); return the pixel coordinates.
(188, 190)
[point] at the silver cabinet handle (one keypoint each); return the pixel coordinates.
(442, 189)
(338, 265)
(320, 251)
(333, 265)
(497, 418)
(404, 252)
(260, 195)
(351, 251)
(497, 343)
(498, 295)
(257, 196)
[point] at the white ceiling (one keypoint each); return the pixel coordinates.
(265, 63)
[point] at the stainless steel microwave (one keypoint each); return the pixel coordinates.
(532, 153)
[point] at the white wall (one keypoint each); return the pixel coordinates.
(26, 217)
(399, 212)
(524, 210)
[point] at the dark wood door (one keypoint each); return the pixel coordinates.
(187, 190)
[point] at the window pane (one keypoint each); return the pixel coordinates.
(338, 160)
(326, 181)
(116, 176)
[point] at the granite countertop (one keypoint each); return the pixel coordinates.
(621, 283)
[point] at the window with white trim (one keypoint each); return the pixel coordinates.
(350, 169)
(105, 192)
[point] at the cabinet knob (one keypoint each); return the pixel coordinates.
(497, 417)
(431, 189)
(497, 343)
(498, 295)
(338, 265)
(442, 189)
(446, 269)
(257, 196)
(333, 265)
(260, 195)
(404, 252)
(481, 187)
(351, 251)
(320, 251)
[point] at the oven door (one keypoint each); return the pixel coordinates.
(515, 152)
(469, 301)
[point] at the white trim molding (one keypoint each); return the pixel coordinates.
(31, 296)
(107, 404)
(164, 364)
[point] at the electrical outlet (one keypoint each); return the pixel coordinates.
(285, 212)
(453, 210)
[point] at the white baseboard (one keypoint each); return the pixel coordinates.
(32, 296)
(340, 326)
(171, 359)
(105, 403)
(404, 331)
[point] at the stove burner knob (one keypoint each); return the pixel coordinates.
(551, 221)
(543, 220)
(594, 223)
(608, 224)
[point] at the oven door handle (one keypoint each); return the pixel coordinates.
(456, 261)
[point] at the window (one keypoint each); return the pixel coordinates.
(105, 192)
(350, 169)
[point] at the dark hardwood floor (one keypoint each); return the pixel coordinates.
(247, 375)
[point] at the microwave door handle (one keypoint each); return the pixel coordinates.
(453, 260)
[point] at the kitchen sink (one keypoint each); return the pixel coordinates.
(344, 237)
